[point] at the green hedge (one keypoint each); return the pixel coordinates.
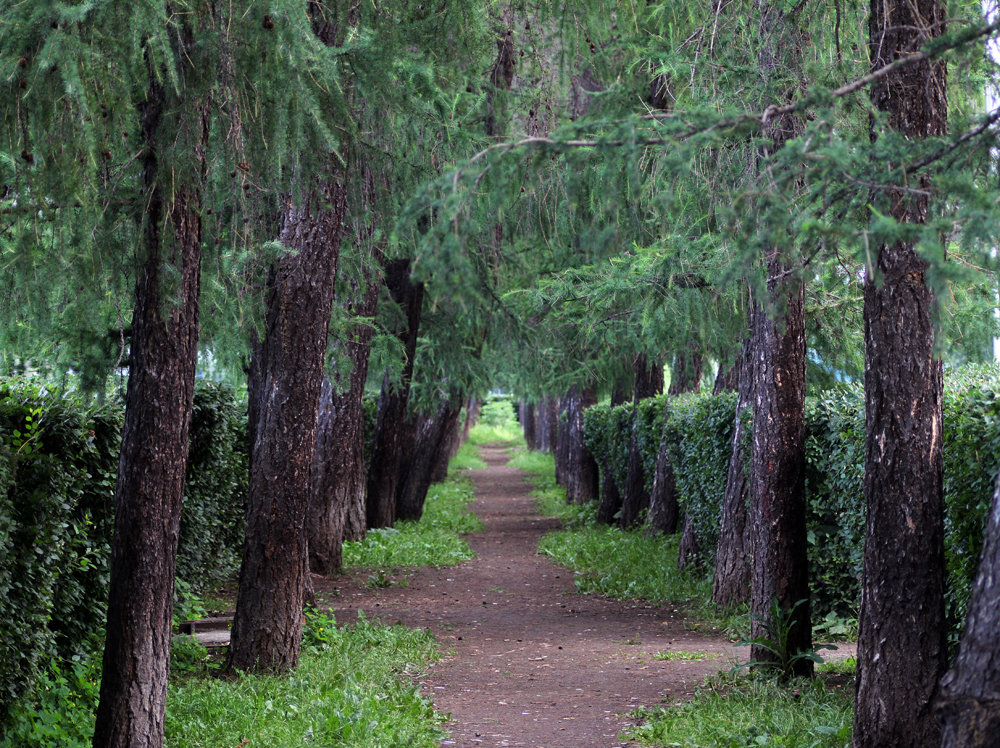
(58, 462)
(699, 431)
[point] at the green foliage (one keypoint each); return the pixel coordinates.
(777, 627)
(497, 423)
(467, 458)
(215, 491)
(623, 565)
(189, 657)
(58, 461)
(698, 429)
(434, 540)
(699, 433)
(730, 712)
(58, 710)
(352, 687)
(835, 466)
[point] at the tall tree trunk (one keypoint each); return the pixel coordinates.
(430, 448)
(902, 591)
(562, 438)
(779, 571)
(472, 408)
(581, 469)
(528, 423)
(648, 382)
(153, 459)
(968, 703)
(731, 581)
(664, 510)
(685, 374)
(337, 506)
(286, 378)
(394, 428)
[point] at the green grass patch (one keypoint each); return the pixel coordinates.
(353, 686)
(498, 433)
(434, 540)
(684, 655)
(467, 458)
(623, 565)
(731, 712)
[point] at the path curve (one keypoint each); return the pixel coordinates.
(528, 661)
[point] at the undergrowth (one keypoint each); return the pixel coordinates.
(353, 686)
(434, 540)
(731, 712)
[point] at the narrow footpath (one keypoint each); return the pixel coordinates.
(527, 660)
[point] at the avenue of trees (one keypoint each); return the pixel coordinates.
(315, 198)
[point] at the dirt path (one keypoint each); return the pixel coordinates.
(528, 661)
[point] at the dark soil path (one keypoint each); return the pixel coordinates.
(528, 661)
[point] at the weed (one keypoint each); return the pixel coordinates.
(188, 657)
(777, 627)
(378, 579)
(60, 709)
(684, 655)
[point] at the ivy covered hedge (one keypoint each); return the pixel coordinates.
(698, 430)
(58, 462)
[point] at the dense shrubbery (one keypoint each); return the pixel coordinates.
(698, 433)
(58, 462)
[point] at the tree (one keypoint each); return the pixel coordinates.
(967, 703)
(286, 377)
(902, 593)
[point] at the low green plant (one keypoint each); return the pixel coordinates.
(378, 579)
(353, 686)
(774, 639)
(189, 657)
(847, 666)
(467, 458)
(434, 540)
(684, 655)
(59, 709)
(735, 712)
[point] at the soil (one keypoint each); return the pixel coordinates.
(527, 660)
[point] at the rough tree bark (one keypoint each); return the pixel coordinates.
(648, 382)
(394, 428)
(286, 377)
(902, 591)
(968, 703)
(581, 469)
(779, 571)
(337, 506)
(150, 484)
(528, 423)
(562, 438)
(430, 445)
(731, 581)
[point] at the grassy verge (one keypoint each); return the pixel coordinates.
(434, 540)
(352, 687)
(728, 710)
(732, 712)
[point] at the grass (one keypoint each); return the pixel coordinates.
(353, 686)
(435, 540)
(731, 712)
